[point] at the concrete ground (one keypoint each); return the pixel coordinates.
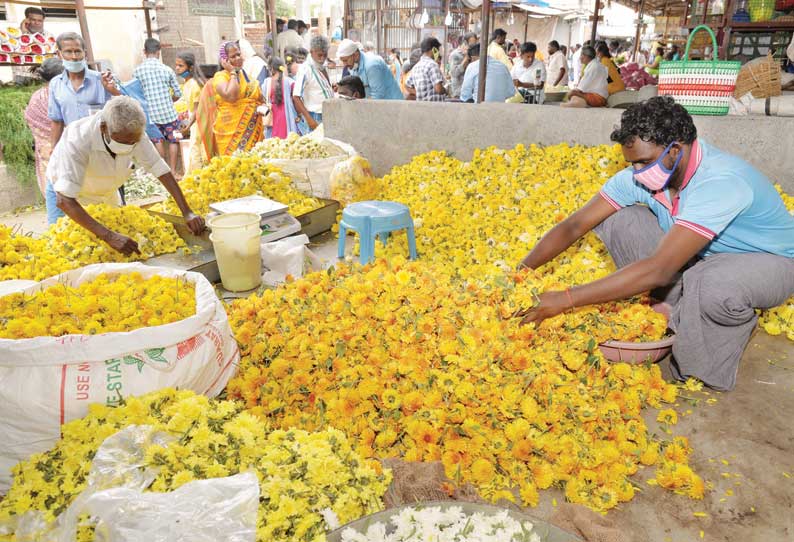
(743, 445)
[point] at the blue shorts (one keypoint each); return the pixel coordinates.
(169, 131)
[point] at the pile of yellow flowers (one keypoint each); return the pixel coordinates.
(411, 362)
(300, 473)
(108, 303)
(230, 177)
(67, 245)
(485, 214)
(422, 360)
(294, 147)
(481, 217)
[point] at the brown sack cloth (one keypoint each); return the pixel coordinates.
(586, 524)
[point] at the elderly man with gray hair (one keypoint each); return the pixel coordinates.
(312, 85)
(93, 159)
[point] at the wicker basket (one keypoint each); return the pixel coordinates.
(761, 76)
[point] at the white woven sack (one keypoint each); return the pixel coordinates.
(47, 381)
(312, 176)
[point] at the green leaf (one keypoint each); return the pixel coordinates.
(156, 354)
(132, 360)
(341, 348)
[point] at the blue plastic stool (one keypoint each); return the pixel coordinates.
(373, 219)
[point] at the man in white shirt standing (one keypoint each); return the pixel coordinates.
(592, 90)
(93, 159)
(576, 64)
(288, 39)
(529, 74)
(558, 65)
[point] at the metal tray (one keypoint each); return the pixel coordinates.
(312, 223)
(546, 531)
(320, 220)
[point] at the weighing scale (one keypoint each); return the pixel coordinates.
(312, 223)
(276, 223)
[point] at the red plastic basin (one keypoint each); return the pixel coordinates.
(640, 352)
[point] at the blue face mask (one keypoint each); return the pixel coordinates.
(74, 66)
(184, 74)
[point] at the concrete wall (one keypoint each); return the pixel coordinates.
(390, 133)
(200, 34)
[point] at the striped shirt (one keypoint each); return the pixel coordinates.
(312, 86)
(159, 81)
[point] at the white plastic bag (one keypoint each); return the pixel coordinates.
(313, 176)
(47, 381)
(214, 510)
(352, 180)
(288, 256)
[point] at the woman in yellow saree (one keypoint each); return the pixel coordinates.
(238, 125)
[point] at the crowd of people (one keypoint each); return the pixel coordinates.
(266, 90)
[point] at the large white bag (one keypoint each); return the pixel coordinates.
(313, 176)
(47, 381)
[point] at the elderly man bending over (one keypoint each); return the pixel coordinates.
(94, 158)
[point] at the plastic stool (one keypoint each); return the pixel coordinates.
(375, 219)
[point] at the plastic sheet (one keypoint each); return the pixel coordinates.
(288, 256)
(214, 510)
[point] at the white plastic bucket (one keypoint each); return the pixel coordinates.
(239, 262)
(236, 240)
(234, 225)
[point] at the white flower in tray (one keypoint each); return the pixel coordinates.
(452, 524)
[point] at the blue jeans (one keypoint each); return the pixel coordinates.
(51, 199)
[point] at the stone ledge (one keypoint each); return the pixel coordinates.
(390, 133)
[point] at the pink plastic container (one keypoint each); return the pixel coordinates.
(636, 352)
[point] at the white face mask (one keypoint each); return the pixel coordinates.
(116, 147)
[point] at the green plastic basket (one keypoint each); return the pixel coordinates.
(703, 87)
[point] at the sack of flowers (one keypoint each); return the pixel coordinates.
(100, 334)
(308, 160)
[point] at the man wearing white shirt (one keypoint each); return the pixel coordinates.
(288, 39)
(312, 85)
(93, 159)
(576, 64)
(529, 73)
(592, 90)
(558, 65)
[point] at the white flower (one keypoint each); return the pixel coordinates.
(434, 524)
(524, 238)
(331, 519)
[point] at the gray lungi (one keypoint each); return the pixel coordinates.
(713, 299)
